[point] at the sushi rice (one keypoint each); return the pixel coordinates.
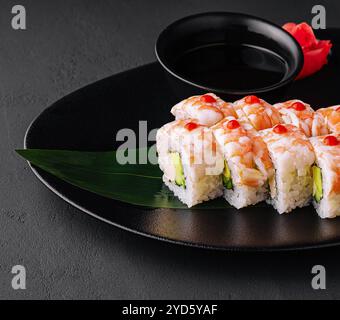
(246, 161)
(327, 166)
(292, 156)
(198, 158)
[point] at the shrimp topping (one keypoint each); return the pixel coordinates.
(207, 109)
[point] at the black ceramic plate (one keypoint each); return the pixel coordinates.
(89, 119)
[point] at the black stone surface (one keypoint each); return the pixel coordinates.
(68, 254)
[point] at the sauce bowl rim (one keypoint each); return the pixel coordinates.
(284, 81)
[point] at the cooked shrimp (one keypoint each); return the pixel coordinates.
(244, 149)
(207, 109)
(260, 114)
(301, 115)
(332, 117)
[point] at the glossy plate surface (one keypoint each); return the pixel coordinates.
(89, 120)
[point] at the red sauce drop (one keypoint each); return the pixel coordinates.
(233, 124)
(191, 126)
(251, 100)
(279, 128)
(207, 98)
(298, 106)
(337, 109)
(330, 141)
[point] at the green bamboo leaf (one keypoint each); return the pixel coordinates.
(100, 173)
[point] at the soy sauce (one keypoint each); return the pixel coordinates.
(235, 67)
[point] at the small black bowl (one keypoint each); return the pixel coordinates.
(230, 54)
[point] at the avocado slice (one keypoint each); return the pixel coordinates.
(177, 162)
(226, 177)
(272, 186)
(317, 183)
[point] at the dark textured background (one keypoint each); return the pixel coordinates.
(68, 254)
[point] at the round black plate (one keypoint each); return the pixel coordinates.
(89, 119)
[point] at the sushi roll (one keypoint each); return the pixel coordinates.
(247, 165)
(207, 109)
(326, 175)
(190, 160)
(257, 112)
(332, 118)
(292, 156)
(301, 115)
